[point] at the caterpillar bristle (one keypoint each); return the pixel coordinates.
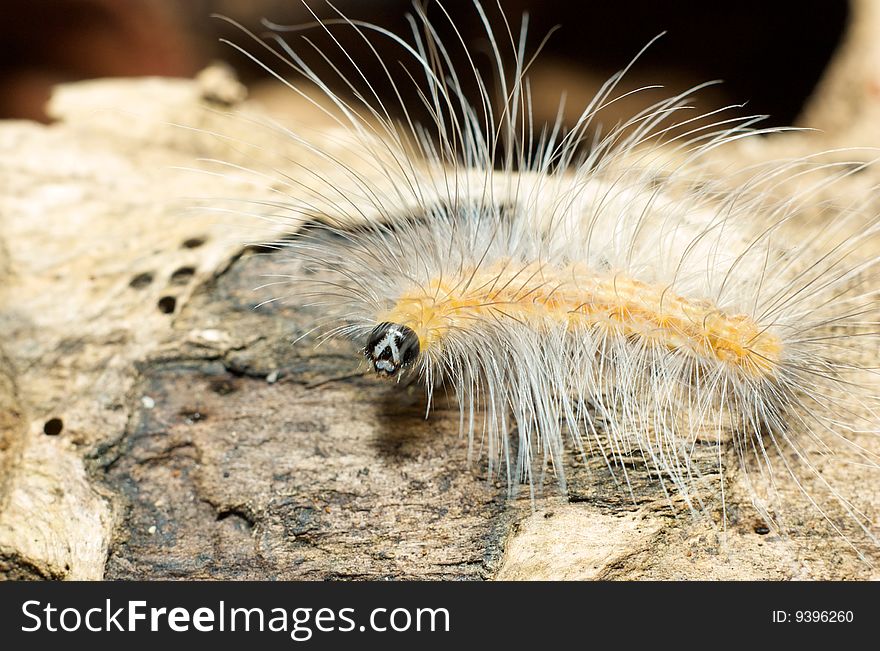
(589, 295)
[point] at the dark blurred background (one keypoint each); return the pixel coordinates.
(770, 54)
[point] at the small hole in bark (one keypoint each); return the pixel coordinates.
(183, 275)
(141, 280)
(166, 304)
(223, 387)
(239, 518)
(53, 427)
(193, 242)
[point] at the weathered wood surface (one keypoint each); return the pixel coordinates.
(197, 442)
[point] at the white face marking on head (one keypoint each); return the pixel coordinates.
(389, 341)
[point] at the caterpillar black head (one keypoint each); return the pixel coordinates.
(391, 347)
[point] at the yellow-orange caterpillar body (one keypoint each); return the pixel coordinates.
(584, 300)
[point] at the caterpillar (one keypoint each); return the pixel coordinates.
(580, 291)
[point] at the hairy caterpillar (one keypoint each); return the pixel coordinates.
(578, 290)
